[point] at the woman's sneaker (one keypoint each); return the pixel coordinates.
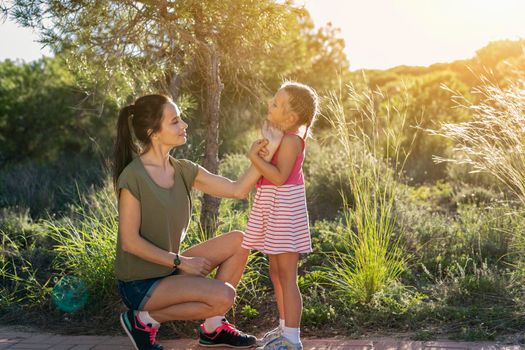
(226, 335)
(281, 343)
(269, 336)
(143, 336)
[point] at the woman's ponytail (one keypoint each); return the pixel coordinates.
(135, 125)
(124, 145)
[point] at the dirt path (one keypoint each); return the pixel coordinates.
(14, 339)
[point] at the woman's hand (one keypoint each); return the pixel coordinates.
(194, 266)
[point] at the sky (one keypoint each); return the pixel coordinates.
(379, 34)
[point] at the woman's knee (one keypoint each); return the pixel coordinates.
(236, 237)
(223, 298)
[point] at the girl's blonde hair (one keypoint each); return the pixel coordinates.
(303, 101)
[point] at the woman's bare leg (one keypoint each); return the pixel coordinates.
(185, 297)
(225, 252)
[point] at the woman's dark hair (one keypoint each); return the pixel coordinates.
(303, 100)
(135, 125)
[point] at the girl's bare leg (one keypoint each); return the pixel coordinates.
(287, 265)
(277, 288)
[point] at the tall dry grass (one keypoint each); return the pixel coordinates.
(493, 141)
(373, 260)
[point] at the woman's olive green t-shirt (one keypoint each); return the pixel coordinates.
(165, 216)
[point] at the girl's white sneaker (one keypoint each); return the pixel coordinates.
(269, 336)
(281, 343)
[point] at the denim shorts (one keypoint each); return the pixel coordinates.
(135, 294)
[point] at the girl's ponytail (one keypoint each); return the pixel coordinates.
(304, 101)
(124, 145)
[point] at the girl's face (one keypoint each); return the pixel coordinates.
(173, 129)
(279, 111)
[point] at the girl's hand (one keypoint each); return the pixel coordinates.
(194, 266)
(274, 137)
(256, 148)
(263, 153)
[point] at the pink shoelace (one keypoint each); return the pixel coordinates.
(230, 328)
(152, 334)
(151, 330)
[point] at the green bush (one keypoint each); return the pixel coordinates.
(318, 315)
(51, 187)
(440, 241)
(324, 170)
(44, 114)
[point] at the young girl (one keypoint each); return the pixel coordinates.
(278, 223)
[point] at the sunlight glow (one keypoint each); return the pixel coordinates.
(386, 33)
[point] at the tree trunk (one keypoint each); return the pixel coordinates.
(210, 205)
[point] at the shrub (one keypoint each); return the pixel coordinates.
(373, 260)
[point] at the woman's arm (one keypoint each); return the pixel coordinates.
(133, 243)
(220, 186)
(278, 174)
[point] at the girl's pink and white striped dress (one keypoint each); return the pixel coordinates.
(278, 221)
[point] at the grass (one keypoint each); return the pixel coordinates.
(492, 141)
(372, 260)
(85, 243)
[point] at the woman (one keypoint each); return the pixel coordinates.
(155, 282)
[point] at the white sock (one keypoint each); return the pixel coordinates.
(281, 324)
(146, 318)
(211, 323)
(292, 334)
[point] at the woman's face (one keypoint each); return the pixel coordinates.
(173, 129)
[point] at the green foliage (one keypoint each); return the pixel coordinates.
(48, 188)
(492, 141)
(43, 114)
(168, 47)
(18, 223)
(324, 169)
(86, 241)
(424, 335)
(429, 105)
(451, 297)
(317, 315)
(24, 259)
(426, 95)
(499, 51)
(249, 312)
(442, 233)
(233, 165)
